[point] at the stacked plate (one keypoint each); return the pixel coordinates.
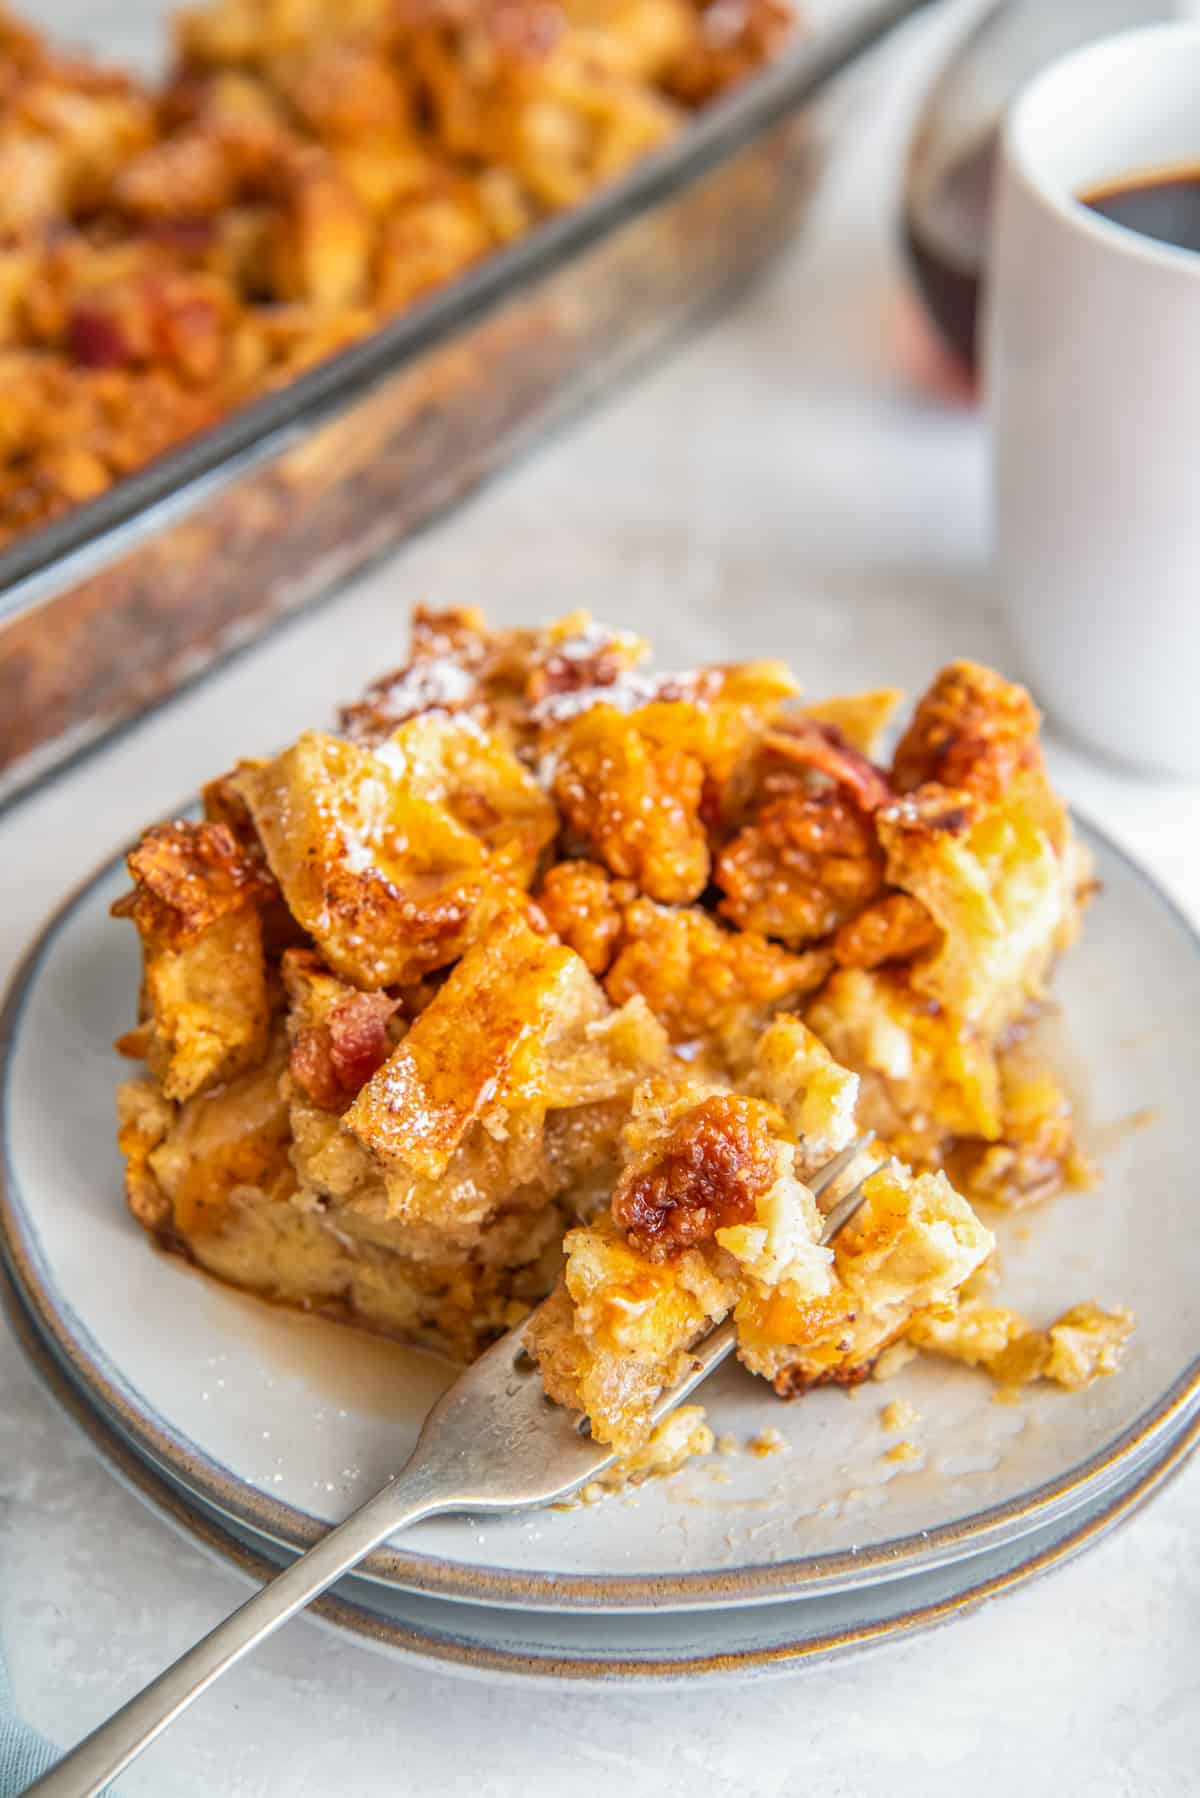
(816, 1533)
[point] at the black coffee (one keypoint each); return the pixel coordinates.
(1165, 205)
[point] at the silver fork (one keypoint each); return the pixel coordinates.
(493, 1442)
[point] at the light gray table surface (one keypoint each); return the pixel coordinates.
(780, 486)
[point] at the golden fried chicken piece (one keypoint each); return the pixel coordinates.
(806, 860)
(973, 730)
(806, 864)
(635, 803)
(703, 981)
(586, 909)
(708, 984)
(196, 904)
(977, 733)
(894, 928)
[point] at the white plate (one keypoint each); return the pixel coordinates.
(283, 1423)
(590, 1649)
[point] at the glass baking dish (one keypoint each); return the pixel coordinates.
(114, 607)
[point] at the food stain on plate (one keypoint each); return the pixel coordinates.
(337, 1365)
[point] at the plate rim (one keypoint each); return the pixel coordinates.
(451, 1654)
(438, 1576)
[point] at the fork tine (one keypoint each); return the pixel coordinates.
(824, 1179)
(845, 1208)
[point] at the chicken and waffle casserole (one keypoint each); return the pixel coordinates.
(306, 171)
(544, 974)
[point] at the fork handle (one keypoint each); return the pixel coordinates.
(87, 1768)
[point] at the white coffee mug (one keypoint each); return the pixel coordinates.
(1093, 377)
